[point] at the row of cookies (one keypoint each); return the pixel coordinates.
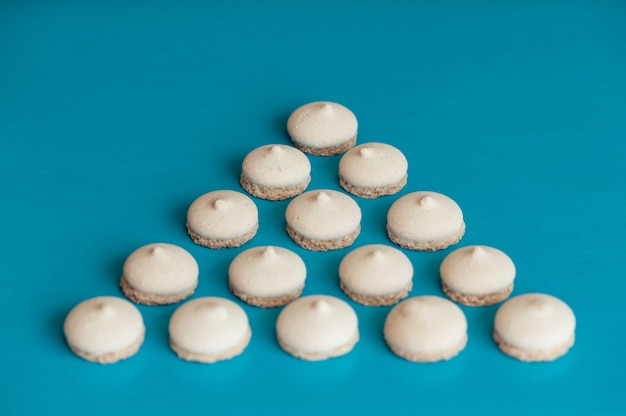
(325, 219)
(277, 172)
(107, 329)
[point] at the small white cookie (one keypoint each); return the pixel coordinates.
(159, 274)
(267, 276)
(426, 329)
(104, 329)
(322, 128)
(275, 172)
(425, 221)
(323, 220)
(317, 327)
(477, 275)
(224, 218)
(209, 329)
(534, 327)
(376, 275)
(373, 169)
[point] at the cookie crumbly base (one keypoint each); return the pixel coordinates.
(272, 194)
(382, 300)
(151, 298)
(532, 355)
(323, 245)
(110, 357)
(320, 355)
(427, 245)
(266, 301)
(217, 244)
(227, 354)
(372, 192)
(325, 151)
(476, 300)
(428, 357)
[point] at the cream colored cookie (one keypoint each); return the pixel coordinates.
(104, 329)
(267, 276)
(159, 274)
(222, 219)
(317, 327)
(323, 220)
(426, 221)
(374, 169)
(275, 172)
(322, 128)
(426, 329)
(477, 275)
(534, 327)
(376, 275)
(209, 329)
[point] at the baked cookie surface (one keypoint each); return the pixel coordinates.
(534, 327)
(222, 219)
(323, 220)
(376, 275)
(104, 329)
(317, 327)
(158, 274)
(426, 329)
(371, 170)
(322, 128)
(209, 329)
(477, 275)
(275, 172)
(267, 276)
(426, 221)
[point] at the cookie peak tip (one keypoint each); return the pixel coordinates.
(427, 201)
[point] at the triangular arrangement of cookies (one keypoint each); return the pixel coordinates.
(528, 327)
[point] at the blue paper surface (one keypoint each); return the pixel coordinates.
(114, 117)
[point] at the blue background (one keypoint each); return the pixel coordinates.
(115, 117)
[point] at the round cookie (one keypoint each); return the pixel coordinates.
(209, 329)
(159, 274)
(371, 170)
(376, 275)
(275, 172)
(222, 219)
(534, 327)
(104, 329)
(323, 220)
(426, 329)
(267, 276)
(425, 221)
(477, 275)
(317, 327)
(322, 128)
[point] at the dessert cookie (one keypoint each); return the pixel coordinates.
(426, 221)
(426, 329)
(104, 329)
(322, 128)
(534, 327)
(317, 327)
(267, 276)
(376, 275)
(222, 219)
(158, 274)
(477, 275)
(209, 329)
(371, 170)
(323, 220)
(275, 172)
